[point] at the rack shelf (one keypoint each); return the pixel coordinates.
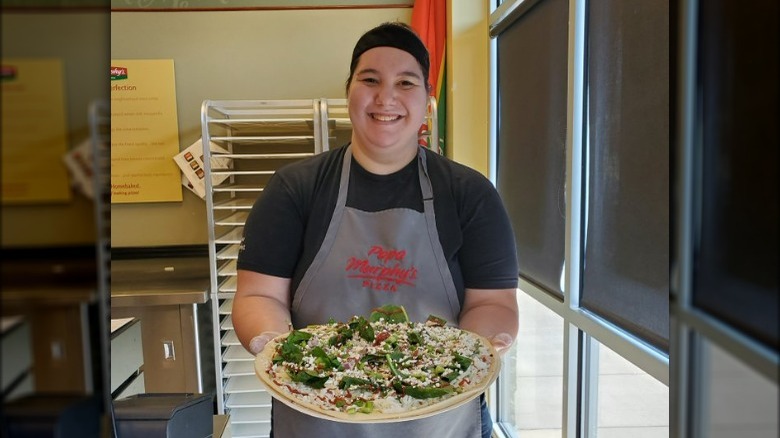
(259, 136)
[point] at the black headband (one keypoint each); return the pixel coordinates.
(397, 35)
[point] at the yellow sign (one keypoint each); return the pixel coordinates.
(144, 132)
(34, 132)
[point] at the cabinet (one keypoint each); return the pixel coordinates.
(250, 140)
(170, 298)
(127, 358)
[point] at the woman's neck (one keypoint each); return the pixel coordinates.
(384, 164)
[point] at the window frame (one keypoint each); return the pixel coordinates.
(581, 327)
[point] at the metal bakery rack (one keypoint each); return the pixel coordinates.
(250, 140)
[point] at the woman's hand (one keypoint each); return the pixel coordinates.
(493, 314)
(259, 342)
(261, 309)
(501, 342)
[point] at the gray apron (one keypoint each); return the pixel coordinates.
(368, 259)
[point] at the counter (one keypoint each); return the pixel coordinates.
(170, 295)
(159, 281)
(57, 296)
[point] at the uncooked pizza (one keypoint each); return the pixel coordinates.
(384, 368)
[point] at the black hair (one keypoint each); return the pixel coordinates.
(392, 34)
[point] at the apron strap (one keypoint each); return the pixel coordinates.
(330, 235)
(433, 233)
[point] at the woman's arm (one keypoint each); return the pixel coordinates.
(491, 313)
(261, 305)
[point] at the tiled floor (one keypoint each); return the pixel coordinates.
(630, 403)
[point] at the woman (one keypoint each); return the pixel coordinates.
(380, 201)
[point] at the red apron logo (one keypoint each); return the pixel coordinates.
(8, 72)
(118, 73)
(382, 269)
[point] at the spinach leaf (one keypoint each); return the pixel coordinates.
(390, 313)
(348, 382)
(309, 378)
(343, 334)
(463, 361)
(414, 338)
(297, 336)
(322, 359)
(289, 352)
(363, 327)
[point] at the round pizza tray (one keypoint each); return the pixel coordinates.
(263, 362)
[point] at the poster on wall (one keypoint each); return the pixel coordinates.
(144, 131)
(34, 132)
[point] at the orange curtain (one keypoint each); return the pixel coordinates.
(429, 20)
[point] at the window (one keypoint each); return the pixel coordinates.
(626, 267)
(532, 138)
(532, 372)
(582, 149)
(725, 249)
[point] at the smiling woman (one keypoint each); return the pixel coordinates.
(381, 220)
(387, 95)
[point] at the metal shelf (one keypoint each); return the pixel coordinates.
(243, 384)
(237, 219)
(260, 136)
(228, 269)
(228, 252)
(237, 353)
(231, 236)
(239, 430)
(238, 188)
(251, 415)
(248, 400)
(226, 308)
(230, 338)
(227, 323)
(235, 204)
(291, 156)
(238, 369)
(229, 285)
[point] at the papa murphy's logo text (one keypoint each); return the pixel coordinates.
(118, 73)
(382, 269)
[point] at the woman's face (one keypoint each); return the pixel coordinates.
(387, 100)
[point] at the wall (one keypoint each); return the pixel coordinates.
(286, 54)
(468, 83)
(74, 38)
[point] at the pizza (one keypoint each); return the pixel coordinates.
(384, 368)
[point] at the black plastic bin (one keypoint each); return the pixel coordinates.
(181, 415)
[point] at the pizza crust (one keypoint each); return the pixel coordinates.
(264, 360)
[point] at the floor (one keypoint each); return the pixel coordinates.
(630, 402)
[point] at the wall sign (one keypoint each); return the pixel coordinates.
(144, 132)
(34, 132)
